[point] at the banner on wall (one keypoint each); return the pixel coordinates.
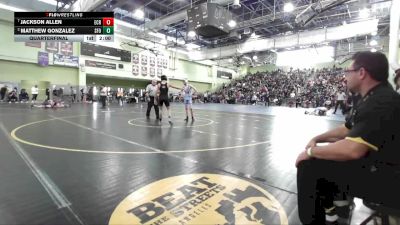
(70, 60)
(52, 47)
(100, 51)
(159, 62)
(43, 59)
(165, 63)
(34, 44)
(159, 72)
(102, 65)
(58, 59)
(224, 75)
(143, 59)
(65, 60)
(152, 71)
(66, 48)
(135, 70)
(144, 71)
(152, 61)
(135, 58)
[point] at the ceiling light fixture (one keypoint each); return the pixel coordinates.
(191, 34)
(289, 7)
(139, 14)
(373, 43)
(232, 23)
(364, 13)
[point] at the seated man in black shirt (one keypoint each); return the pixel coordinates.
(363, 157)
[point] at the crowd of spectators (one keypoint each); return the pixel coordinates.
(300, 88)
(308, 88)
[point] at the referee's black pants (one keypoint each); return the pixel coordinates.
(320, 182)
(103, 101)
(151, 104)
(341, 103)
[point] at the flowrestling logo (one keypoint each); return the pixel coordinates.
(199, 199)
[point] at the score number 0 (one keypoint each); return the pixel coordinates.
(108, 22)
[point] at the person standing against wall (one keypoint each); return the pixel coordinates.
(73, 93)
(151, 91)
(120, 96)
(3, 91)
(84, 94)
(103, 96)
(48, 93)
(34, 92)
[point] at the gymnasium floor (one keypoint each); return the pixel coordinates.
(84, 165)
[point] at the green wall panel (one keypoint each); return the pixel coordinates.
(42, 85)
(17, 71)
(194, 71)
(201, 87)
(112, 82)
(243, 70)
(12, 50)
(264, 68)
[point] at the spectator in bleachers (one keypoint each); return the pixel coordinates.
(311, 87)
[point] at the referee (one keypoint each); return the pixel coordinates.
(151, 91)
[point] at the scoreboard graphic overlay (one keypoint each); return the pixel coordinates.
(63, 26)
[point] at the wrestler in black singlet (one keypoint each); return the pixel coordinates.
(163, 98)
